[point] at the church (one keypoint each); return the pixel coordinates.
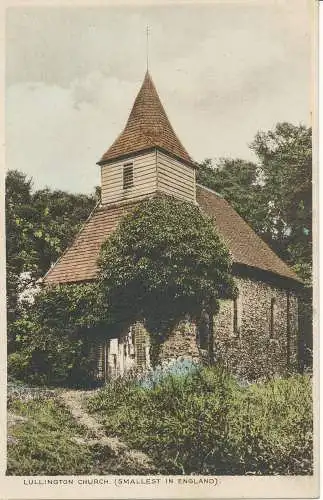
(257, 333)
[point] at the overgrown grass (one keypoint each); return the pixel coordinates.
(203, 422)
(41, 444)
(206, 422)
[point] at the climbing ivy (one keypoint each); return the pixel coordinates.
(164, 260)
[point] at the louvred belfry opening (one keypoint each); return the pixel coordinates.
(148, 126)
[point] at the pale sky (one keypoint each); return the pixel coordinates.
(222, 70)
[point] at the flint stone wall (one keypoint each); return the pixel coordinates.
(180, 344)
(254, 351)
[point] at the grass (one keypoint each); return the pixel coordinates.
(207, 423)
(202, 421)
(41, 445)
(42, 440)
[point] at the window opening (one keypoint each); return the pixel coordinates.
(128, 176)
(236, 317)
(272, 317)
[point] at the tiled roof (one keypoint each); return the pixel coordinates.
(79, 262)
(147, 126)
(245, 246)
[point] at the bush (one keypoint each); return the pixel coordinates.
(18, 365)
(271, 426)
(205, 422)
(177, 368)
(56, 335)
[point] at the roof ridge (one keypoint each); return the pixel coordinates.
(209, 189)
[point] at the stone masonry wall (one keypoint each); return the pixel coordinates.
(254, 349)
(181, 343)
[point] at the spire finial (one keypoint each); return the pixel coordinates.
(147, 46)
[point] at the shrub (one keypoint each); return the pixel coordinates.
(19, 364)
(206, 422)
(271, 426)
(174, 420)
(55, 336)
(176, 368)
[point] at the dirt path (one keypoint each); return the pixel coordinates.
(120, 455)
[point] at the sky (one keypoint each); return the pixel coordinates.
(222, 70)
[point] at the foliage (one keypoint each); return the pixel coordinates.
(208, 423)
(237, 181)
(19, 235)
(274, 195)
(286, 162)
(178, 368)
(39, 226)
(271, 426)
(165, 259)
(17, 390)
(55, 335)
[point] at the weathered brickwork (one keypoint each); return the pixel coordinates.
(265, 342)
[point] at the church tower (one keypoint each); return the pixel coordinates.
(147, 158)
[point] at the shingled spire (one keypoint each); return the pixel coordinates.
(147, 127)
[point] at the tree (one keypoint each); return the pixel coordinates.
(275, 195)
(165, 259)
(238, 182)
(285, 154)
(20, 252)
(39, 226)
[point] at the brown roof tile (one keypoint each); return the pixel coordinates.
(79, 262)
(245, 246)
(147, 126)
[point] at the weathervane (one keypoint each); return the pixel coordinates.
(147, 46)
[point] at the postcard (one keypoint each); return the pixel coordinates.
(159, 188)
